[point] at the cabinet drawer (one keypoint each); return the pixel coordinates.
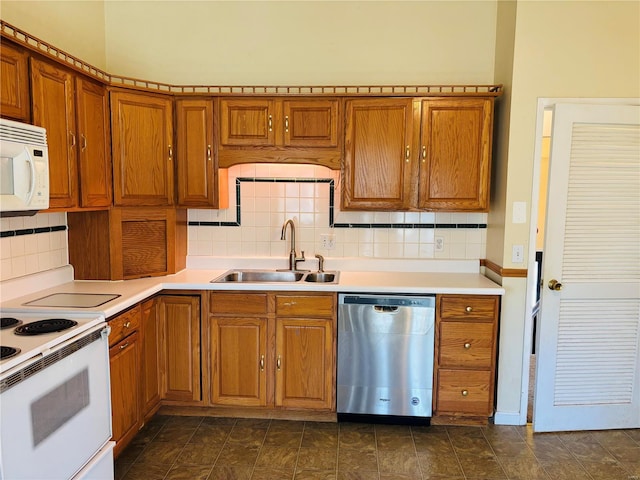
(466, 344)
(238, 303)
(124, 324)
(305, 305)
(468, 307)
(464, 391)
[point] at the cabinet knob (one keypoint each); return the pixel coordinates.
(464, 393)
(467, 346)
(469, 309)
(126, 324)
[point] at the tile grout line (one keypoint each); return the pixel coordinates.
(455, 452)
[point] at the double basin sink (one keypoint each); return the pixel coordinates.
(277, 276)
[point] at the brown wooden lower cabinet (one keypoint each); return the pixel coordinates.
(124, 361)
(179, 356)
(270, 349)
(465, 358)
(150, 381)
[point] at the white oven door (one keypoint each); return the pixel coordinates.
(55, 420)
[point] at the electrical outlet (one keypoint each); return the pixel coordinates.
(328, 241)
(517, 254)
(439, 247)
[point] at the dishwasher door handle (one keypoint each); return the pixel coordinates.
(385, 309)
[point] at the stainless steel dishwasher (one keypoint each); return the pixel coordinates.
(385, 355)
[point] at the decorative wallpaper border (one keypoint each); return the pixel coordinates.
(32, 231)
(331, 182)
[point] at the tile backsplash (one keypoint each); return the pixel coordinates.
(32, 244)
(263, 196)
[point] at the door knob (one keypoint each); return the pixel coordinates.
(555, 285)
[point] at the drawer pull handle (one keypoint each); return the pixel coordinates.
(126, 324)
(407, 153)
(278, 362)
(122, 347)
(286, 124)
(465, 393)
(270, 123)
(262, 363)
(467, 346)
(469, 309)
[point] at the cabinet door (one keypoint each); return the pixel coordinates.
(14, 83)
(125, 400)
(379, 163)
(456, 139)
(150, 380)
(179, 318)
(197, 175)
(310, 123)
(247, 122)
(238, 361)
(95, 149)
(142, 133)
(54, 109)
(305, 368)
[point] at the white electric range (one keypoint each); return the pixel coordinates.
(55, 407)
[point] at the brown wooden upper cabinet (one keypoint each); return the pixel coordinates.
(427, 154)
(14, 83)
(197, 169)
(142, 142)
(301, 130)
(75, 112)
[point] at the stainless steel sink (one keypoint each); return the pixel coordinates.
(321, 277)
(271, 276)
(258, 276)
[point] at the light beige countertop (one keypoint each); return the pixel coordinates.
(134, 291)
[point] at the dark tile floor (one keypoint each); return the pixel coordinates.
(209, 448)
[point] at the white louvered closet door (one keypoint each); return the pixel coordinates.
(588, 361)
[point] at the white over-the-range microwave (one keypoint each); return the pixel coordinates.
(24, 168)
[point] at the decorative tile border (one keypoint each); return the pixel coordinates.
(331, 183)
(32, 231)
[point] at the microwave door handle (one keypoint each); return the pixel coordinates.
(32, 173)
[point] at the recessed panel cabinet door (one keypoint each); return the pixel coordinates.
(179, 318)
(142, 138)
(197, 175)
(304, 363)
(14, 83)
(54, 109)
(310, 123)
(455, 163)
(150, 367)
(124, 362)
(238, 360)
(247, 122)
(95, 150)
(379, 162)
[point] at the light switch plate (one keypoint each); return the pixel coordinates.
(517, 254)
(519, 212)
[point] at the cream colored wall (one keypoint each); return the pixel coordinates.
(561, 49)
(77, 27)
(302, 43)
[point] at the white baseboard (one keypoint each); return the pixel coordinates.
(508, 418)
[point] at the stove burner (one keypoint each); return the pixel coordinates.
(8, 322)
(45, 326)
(8, 352)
